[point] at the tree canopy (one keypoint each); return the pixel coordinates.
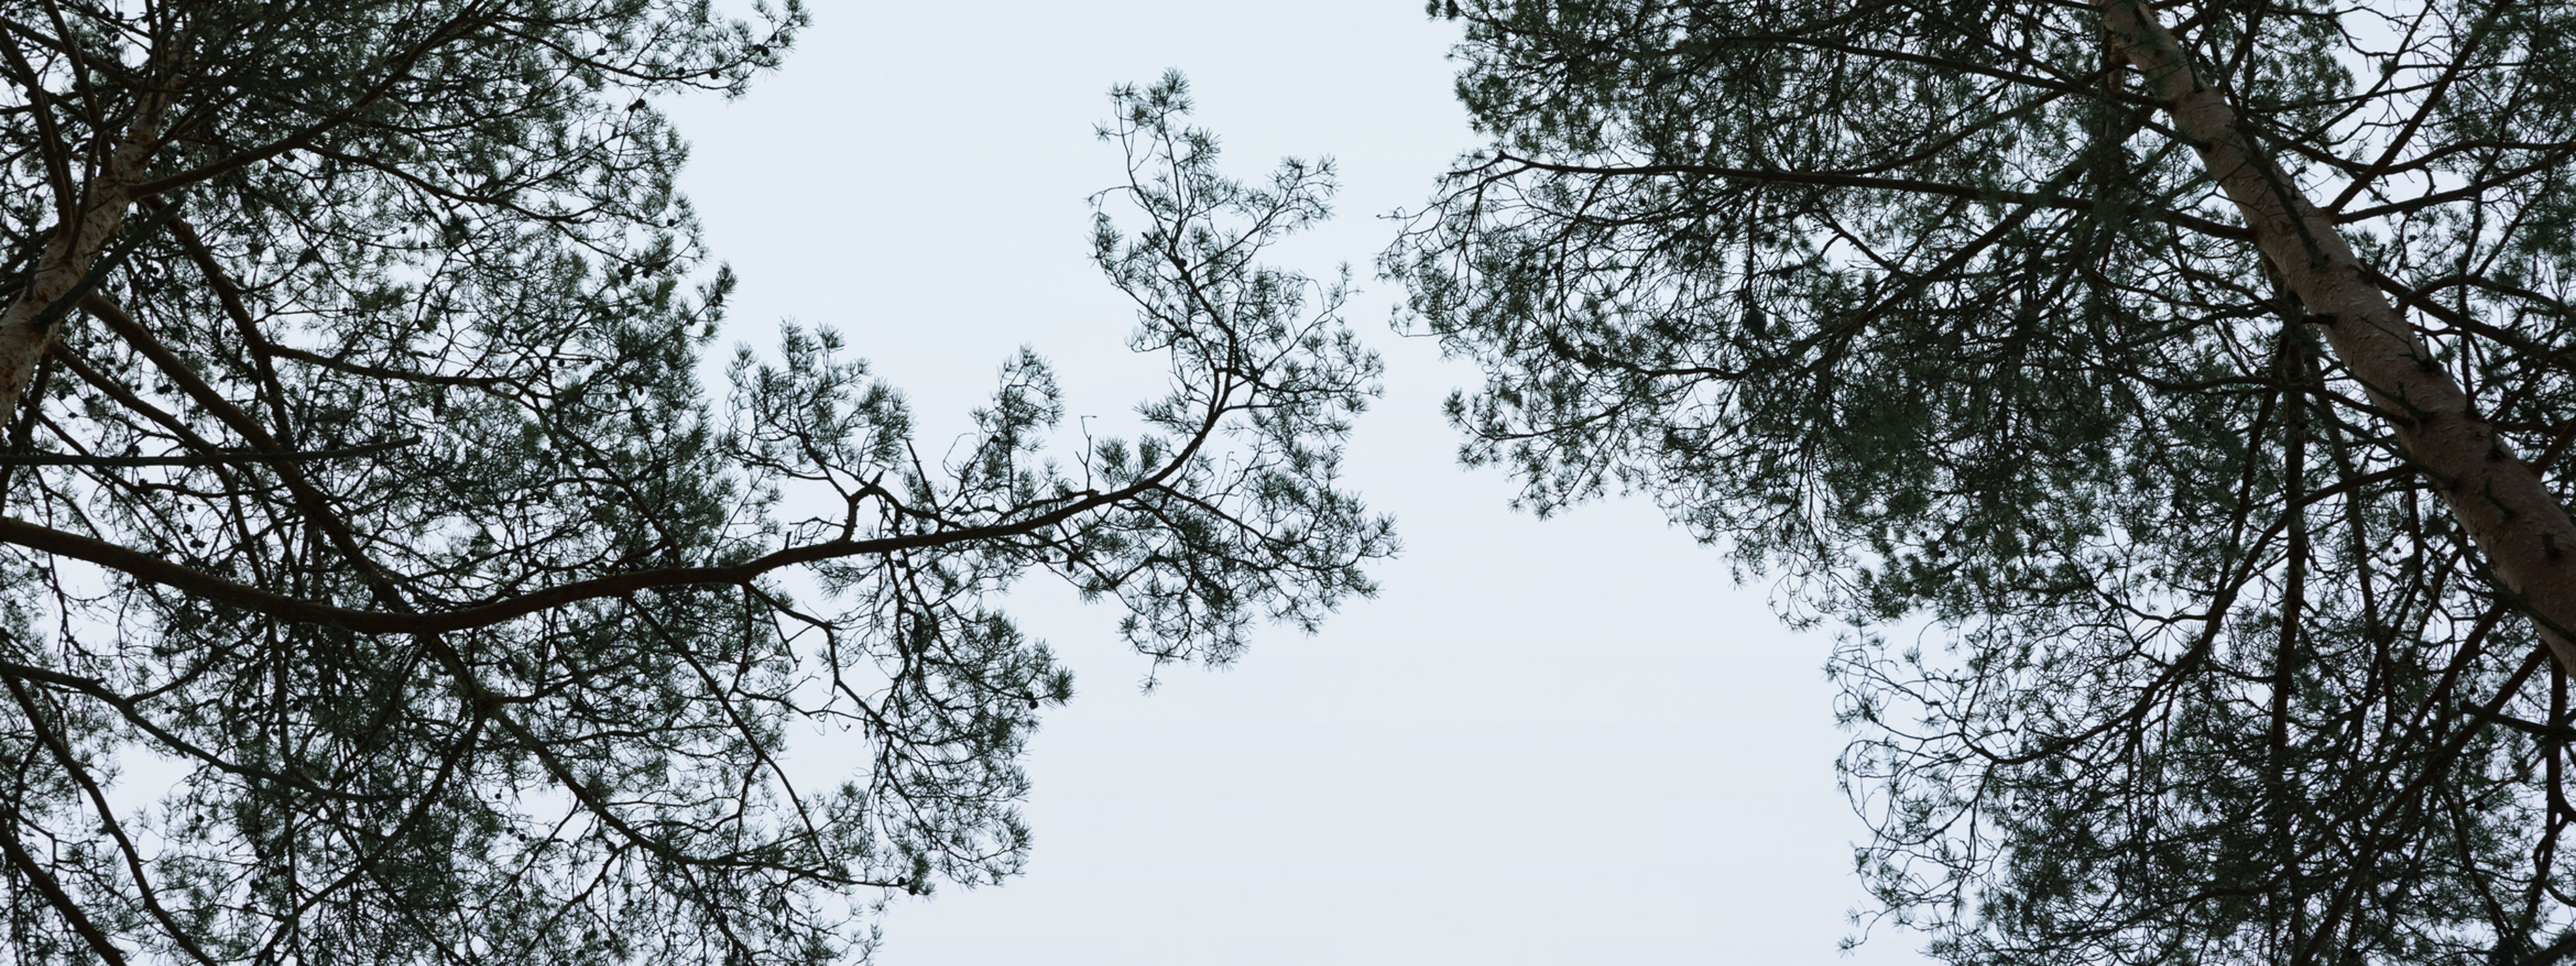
(2168, 397)
(357, 471)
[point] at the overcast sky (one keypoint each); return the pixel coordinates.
(1570, 740)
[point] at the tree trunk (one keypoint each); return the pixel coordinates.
(2496, 497)
(26, 334)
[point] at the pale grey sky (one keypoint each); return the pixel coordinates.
(1546, 742)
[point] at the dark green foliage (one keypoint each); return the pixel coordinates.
(1923, 307)
(513, 682)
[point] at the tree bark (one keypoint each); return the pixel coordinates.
(2498, 499)
(29, 324)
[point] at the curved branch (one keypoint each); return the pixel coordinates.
(152, 569)
(1910, 185)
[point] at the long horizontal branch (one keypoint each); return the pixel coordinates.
(382, 372)
(2462, 193)
(144, 566)
(1910, 185)
(201, 459)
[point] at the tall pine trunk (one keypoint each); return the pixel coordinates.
(28, 325)
(2496, 497)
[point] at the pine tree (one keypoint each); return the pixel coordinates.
(357, 473)
(2191, 374)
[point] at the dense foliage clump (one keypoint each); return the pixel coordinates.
(358, 480)
(1933, 309)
